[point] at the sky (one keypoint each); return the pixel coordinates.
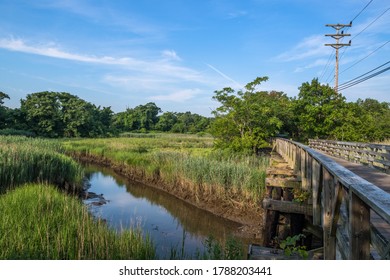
(176, 53)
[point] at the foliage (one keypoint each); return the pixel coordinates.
(247, 119)
(317, 110)
(53, 114)
(3, 110)
(231, 249)
(291, 246)
(38, 222)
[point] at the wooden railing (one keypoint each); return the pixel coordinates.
(345, 206)
(374, 155)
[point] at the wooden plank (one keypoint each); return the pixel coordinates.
(287, 206)
(359, 228)
(379, 242)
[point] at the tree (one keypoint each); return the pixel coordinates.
(3, 110)
(247, 119)
(42, 112)
(317, 110)
(54, 114)
(166, 121)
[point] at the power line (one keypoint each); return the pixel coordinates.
(362, 10)
(365, 78)
(371, 23)
(339, 35)
(362, 77)
(326, 66)
(366, 28)
(346, 28)
(357, 62)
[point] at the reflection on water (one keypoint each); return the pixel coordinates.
(170, 222)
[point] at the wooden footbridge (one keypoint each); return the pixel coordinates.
(346, 216)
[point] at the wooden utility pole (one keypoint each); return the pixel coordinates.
(337, 46)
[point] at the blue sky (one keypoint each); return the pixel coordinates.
(176, 53)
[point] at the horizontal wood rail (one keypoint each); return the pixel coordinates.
(374, 155)
(347, 208)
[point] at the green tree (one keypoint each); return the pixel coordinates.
(247, 119)
(3, 110)
(317, 110)
(42, 111)
(166, 121)
(61, 114)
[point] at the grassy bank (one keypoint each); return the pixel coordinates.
(45, 222)
(27, 160)
(186, 166)
(40, 222)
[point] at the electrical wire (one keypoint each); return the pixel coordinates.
(342, 54)
(357, 62)
(362, 77)
(332, 54)
(361, 11)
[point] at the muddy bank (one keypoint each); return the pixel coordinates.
(231, 207)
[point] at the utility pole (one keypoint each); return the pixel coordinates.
(337, 46)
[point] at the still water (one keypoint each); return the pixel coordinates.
(172, 224)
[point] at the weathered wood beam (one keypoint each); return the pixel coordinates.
(287, 206)
(283, 182)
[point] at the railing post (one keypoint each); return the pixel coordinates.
(329, 240)
(359, 228)
(317, 190)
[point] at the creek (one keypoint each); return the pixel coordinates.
(178, 229)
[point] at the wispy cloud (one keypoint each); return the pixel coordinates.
(309, 47)
(160, 67)
(170, 54)
(237, 14)
(102, 14)
(178, 96)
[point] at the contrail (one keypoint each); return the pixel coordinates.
(225, 76)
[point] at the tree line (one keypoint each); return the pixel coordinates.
(244, 121)
(61, 114)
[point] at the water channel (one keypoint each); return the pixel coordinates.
(172, 224)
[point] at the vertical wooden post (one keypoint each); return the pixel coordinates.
(329, 241)
(297, 164)
(303, 169)
(359, 228)
(317, 189)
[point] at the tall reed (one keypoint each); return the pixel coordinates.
(40, 222)
(189, 160)
(24, 160)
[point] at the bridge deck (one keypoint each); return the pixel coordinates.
(379, 179)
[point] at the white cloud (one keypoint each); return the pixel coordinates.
(178, 96)
(170, 54)
(158, 68)
(309, 47)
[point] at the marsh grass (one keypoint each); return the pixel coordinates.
(25, 160)
(40, 222)
(186, 160)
